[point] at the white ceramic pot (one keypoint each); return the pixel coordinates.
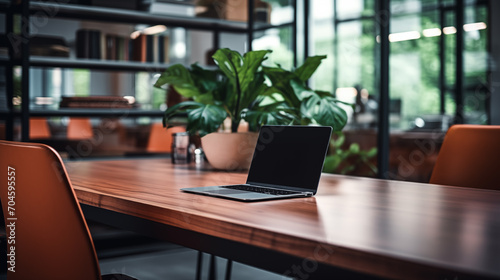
(229, 151)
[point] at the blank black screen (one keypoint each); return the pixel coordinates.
(290, 156)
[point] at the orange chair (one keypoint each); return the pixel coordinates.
(39, 128)
(468, 157)
(160, 139)
(42, 214)
(79, 128)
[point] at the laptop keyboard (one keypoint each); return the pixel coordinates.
(259, 190)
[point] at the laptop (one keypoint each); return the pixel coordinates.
(287, 162)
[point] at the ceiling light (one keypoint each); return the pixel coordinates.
(432, 32)
(475, 26)
(449, 30)
(135, 34)
(404, 36)
(154, 29)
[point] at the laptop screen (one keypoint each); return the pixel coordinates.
(290, 156)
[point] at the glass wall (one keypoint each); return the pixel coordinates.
(422, 77)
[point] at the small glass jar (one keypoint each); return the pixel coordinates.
(180, 148)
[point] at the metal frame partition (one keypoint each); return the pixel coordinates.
(18, 49)
(382, 54)
(9, 77)
(384, 21)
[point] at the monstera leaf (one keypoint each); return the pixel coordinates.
(205, 119)
(202, 118)
(242, 88)
(319, 107)
(306, 70)
(240, 70)
(271, 114)
(311, 106)
(324, 110)
(242, 73)
(180, 78)
(280, 82)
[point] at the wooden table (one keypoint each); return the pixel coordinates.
(388, 229)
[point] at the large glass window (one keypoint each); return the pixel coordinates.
(346, 33)
(422, 79)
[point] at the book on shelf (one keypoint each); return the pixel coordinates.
(95, 102)
(151, 48)
(49, 46)
(122, 46)
(169, 7)
(139, 48)
(41, 45)
(110, 47)
(88, 43)
(116, 47)
(95, 44)
(235, 10)
(163, 48)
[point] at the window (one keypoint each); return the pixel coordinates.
(422, 79)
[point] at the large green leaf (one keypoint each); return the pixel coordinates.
(205, 118)
(241, 72)
(305, 71)
(272, 114)
(251, 62)
(207, 98)
(240, 69)
(325, 111)
(171, 112)
(280, 80)
(229, 62)
(255, 89)
(300, 90)
(205, 80)
(202, 118)
(179, 77)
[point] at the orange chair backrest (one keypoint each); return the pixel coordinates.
(469, 157)
(45, 226)
(79, 128)
(39, 128)
(160, 139)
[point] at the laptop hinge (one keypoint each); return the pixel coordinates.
(294, 189)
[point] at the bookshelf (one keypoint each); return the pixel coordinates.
(89, 112)
(95, 64)
(75, 12)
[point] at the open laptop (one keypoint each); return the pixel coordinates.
(287, 162)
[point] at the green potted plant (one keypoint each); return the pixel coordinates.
(241, 88)
(349, 160)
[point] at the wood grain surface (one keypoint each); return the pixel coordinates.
(385, 228)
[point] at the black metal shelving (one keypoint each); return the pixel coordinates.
(96, 64)
(89, 113)
(29, 9)
(135, 17)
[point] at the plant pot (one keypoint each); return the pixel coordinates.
(229, 151)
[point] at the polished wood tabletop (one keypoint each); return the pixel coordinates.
(389, 229)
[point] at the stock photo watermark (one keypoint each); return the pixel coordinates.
(10, 223)
(309, 265)
(30, 25)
